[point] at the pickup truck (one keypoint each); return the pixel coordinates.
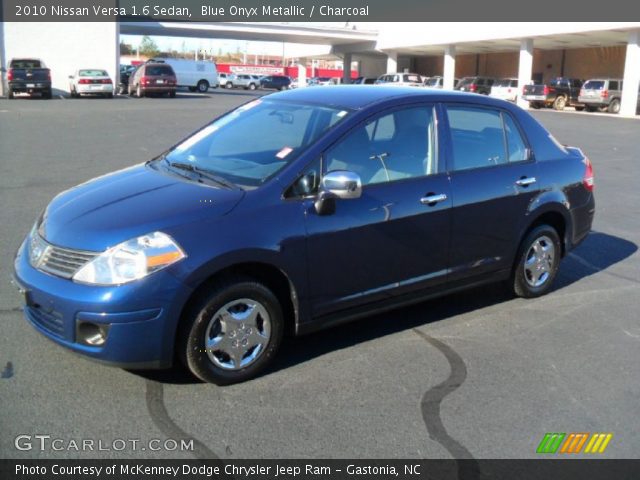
(559, 93)
(28, 75)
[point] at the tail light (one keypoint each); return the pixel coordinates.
(83, 81)
(582, 92)
(106, 80)
(144, 80)
(473, 87)
(604, 93)
(546, 90)
(10, 74)
(49, 75)
(587, 179)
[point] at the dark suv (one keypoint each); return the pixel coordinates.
(480, 85)
(298, 211)
(275, 82)
(153, 78)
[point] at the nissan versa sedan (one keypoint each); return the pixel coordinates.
(298, 211)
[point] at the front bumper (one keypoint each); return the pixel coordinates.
(141, 316)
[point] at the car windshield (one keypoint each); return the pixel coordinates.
(433, 82)
(158, 70)
(92, 73)
(252, 143)
(594, 85)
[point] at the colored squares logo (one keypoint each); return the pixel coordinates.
(574, 442)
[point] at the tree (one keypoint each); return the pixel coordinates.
(125, 49)
(148, 47)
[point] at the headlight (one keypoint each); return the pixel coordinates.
(131, 260)
(36, 247)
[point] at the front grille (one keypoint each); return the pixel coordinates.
(63, 262)
(50, 321)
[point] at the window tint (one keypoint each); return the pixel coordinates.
(158, 70)
(307, 183)
(594, 85)
(516, 147)
(408, 150)
(613, 85)
(477, 137)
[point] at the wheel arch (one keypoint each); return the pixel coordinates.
(556, 215)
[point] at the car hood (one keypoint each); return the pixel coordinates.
(122, 205)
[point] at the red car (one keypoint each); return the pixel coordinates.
(151, 78)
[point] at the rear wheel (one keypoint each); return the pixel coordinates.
(614, 106)
(537, 262)
(559, 103)
(228, 85)
(203, 86)
(10, 94)
(232, 332)
(252, 86)
(139, 91)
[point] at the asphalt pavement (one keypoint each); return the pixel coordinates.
(475, 375)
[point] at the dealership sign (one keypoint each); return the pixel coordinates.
(255, 69)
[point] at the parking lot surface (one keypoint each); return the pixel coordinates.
(474, 375)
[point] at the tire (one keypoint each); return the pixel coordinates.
(535, 105)
(228, 85)
(559, 103)
(537, 262)
(203, 320)
(579, 109)
(252, 86)
(203, 86)
(10, 94)
(139, 91)
(172, 94)
(614, 106)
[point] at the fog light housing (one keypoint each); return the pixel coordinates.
(92, 334)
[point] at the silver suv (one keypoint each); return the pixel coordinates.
(248, 82)
(602, 94)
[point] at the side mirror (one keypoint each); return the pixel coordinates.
(341, 184)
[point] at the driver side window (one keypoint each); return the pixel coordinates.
(392, 146)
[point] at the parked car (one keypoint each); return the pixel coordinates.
(225, 80)
(246, 81)
(196, 75)
(505, 89)
(28, 75)
(364, 81)
(125, 74)
(275, 82)
(153, 78)
(90, 82)
(559, 93)
(341, 205)
(602, 94)
(481, 85)
(400, 79)
(437, 82)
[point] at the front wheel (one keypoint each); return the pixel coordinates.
(559, 103)
(252, 86)
(232, 333)
(228, 85)
(614, 106)
(203, 86)
(537, 262)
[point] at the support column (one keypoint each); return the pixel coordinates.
(392, 62)
(449, 74)
(302, 75)
(525, 68)
(346, 68)
(3, 64)
(631, 76)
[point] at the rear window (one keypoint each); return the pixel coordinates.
(506, 83)
(27, 64)
(558, 82)
(411, 78)
(92, 73)
(466, 81)
(433, 82)
(159, 70)
(594, 85)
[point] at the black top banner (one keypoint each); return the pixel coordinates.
(317, 10)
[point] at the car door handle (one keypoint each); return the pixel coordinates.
(433, 199)
(525, 182)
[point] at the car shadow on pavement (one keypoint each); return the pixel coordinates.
(596, 254)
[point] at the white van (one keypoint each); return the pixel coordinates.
(196, 75)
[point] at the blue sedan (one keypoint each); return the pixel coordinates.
(298, 211)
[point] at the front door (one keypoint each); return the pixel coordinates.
(394, 239)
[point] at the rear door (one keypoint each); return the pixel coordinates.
(493, 181)
(394, 239)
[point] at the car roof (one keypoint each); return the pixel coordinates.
(355, 97)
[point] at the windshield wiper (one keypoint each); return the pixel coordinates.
(203, 172)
